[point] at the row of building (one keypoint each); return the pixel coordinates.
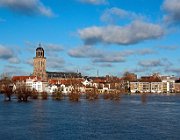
(42, 80)
(66, 85)
(145, 84)
(155, 84)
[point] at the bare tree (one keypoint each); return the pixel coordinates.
(92, 95)
(34, 94)
(57, 95)
(74, 95)
(106, 95)
(44, 95)
(23, 93)
(6, 86)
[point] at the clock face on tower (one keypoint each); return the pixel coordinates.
(40, 64)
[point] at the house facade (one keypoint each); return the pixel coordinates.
(153, 84)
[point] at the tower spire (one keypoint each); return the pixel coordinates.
(40, 63)
(40, 45)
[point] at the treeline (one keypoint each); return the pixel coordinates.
(24, 94)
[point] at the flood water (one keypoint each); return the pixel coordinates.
(132, 118)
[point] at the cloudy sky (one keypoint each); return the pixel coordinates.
(109, 36)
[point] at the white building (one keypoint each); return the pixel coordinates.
(87, 82)
(51, 88)
(38, 86)
(156, 87)
(168, 84)
(31, 82)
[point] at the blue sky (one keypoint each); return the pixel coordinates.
(111, 36)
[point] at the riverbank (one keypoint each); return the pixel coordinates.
(95, 97)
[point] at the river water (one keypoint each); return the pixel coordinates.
(132, 118)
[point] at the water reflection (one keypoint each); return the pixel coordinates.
(144, 98)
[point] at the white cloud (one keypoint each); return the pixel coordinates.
(55, 63)
(102, 56)
(113, 14)
(170, 48)
(27, 7)
(172, 9)
(53, 47)
(145, 51)
(49, 48)
(174, 70)
(85, 52)
(14, 60)
(7, 54)
(109, 59)
(12, 70)
(29, 61)
(164, 62)
(107, 65)
(97, 55)
(95, 2)
(133, 33)
(150, 63)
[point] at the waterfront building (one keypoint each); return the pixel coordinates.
(177, 86)
(23, 80)
(134, 87)
(66, 85)
(156, 87)
(144, 87)
(40, 68)
(168, 84)
(147, 84)
(40, 64)
(66, 89)
(87, 82)
(51, 88)
(39, 86)
(63, 75)
(30, 82)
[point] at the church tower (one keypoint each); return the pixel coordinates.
(40, 64)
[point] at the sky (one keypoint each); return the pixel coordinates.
(104, 37)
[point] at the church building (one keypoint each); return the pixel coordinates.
(40, 64)
(40, 68)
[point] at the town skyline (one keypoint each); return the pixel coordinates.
(89, 36)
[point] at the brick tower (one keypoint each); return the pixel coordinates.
(40, 64)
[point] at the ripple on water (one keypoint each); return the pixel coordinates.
(130, 118)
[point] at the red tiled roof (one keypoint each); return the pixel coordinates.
(65, 81)
(53, 81)
(149, 79)
(106, 80)
(99, 81)
(22, 78)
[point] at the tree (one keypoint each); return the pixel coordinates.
(57, 95)
(127, 78)
(34, 94)
(44, 95)
(106, 95)
(23, 93)
(92, 95)
(74, 95)
(7, 87)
